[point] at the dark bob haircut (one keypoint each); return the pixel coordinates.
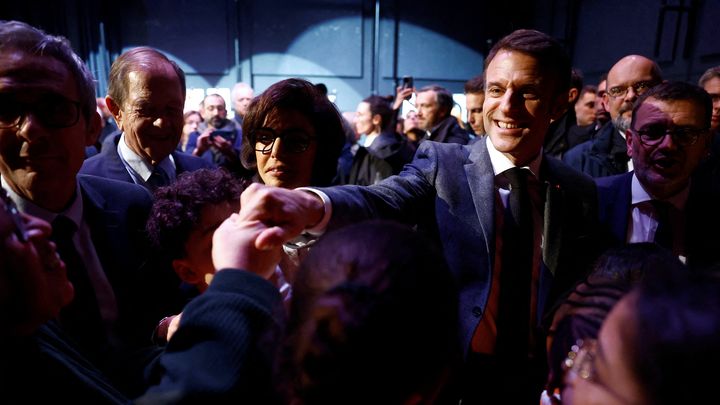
(301, 96)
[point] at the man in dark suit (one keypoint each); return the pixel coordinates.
(47, 117)
(434, 104)
(459, 195)
(606, 153)
(658, 201)
(146, 94)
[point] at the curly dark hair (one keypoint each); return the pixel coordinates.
(177, 207)
(301, 96)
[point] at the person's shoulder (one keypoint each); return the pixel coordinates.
(187, 162)
(612, 182)
(561, 173)
(113, 190)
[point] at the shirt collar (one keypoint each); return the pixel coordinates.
(139, 165)
(640, 195)
(501, 163)
(74, 211)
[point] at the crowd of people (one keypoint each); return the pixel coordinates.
(560, 246)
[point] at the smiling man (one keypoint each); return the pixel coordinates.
(459, 194)
(146, 94)
(667, 139)
(47, 117)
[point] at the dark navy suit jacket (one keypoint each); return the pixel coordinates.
(702, 217)
(145, 286)
(109, 165)
(449, 190)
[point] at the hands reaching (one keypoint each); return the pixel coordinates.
(269, 216)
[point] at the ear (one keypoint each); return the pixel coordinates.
(606, 102)
(94, 126)
(185, 272)
(628, 142)
(572, 95)
(376, 119)
(115, 110)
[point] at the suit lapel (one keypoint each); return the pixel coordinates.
(481, 180)
(114, 165)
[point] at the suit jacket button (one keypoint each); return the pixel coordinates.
(477, 311)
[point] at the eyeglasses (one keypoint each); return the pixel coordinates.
(639, 88)
(294, 140)
(654, 135)
(11, 209)
(53, 111)
(581, 363)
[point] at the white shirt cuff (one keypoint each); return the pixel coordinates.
(321, 226)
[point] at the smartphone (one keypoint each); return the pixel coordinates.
(407, 82)
(228, 135)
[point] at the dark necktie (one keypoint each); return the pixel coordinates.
(157, 178)
(663, 233)
(81, 318)
(513, 324)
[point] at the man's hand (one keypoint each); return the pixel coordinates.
(401, 94)
(286, 213)
(204, 142)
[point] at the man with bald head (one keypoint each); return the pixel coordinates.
(146, 94)
(606, 155)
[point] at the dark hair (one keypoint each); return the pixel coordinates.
(382, 107)
(614, 274)
(711, 73)
(677, 90)
(442, 95)
(676, 331)
(134, 60)
(550, 55)
(476, 85)
(177, 207)
(588, 88)
(373, 318)
(202, 103)
(15, 35)
(576, 79)
(301, 96)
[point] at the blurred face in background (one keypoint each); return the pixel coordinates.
(191, 123)
(214, 111)
(585, 109)
(474, 105)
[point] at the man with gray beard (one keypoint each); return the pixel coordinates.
(606, 155)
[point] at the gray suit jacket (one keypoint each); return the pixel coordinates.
(449, 191)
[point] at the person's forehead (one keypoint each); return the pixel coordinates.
(26, 73)
(509, 63)
(712, 86)
(629, 71)
(427, 95)
(214, 100)
(684, 112)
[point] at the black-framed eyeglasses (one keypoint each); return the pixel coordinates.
(654, 135)
(639, 88)
(53, 111)
(295, 140)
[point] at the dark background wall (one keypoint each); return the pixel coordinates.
(360, 47)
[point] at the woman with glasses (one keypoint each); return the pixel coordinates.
(292, 136)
